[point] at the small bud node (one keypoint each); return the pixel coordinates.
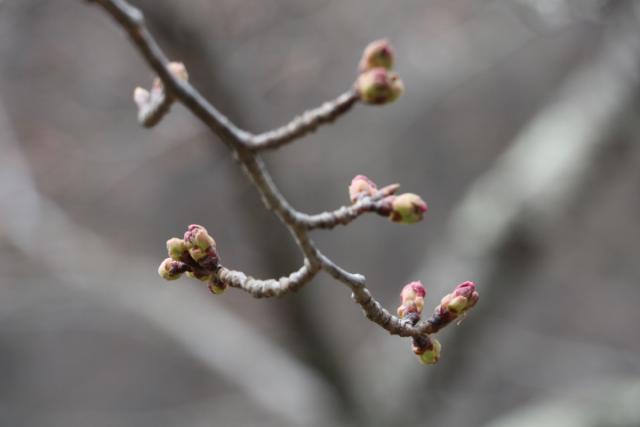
(379, 86)
(361, 186)
(378, 53)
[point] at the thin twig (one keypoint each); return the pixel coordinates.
(270, 287)
(305, 123)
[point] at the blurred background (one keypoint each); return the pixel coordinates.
(519, 127)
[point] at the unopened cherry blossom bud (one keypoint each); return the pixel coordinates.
(467, 290)
(412, 290)
(412, 299)
(463, 297)
(431, 355)
(361, 186)
(207, 259)
(379, 86)
(140, 97)
(197, 236)
(178, 70)
(407, 208)
(171, 269)
(216, 285)
(377, 54)
(176, 248)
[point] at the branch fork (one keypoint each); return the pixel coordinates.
(196, 254)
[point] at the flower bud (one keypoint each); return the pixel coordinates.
(432, 355)
(178, 70)
(197, 236)
(467, 290)
(377, 54)
(457, 304)
(412, 290)
(407, 208)
(412, 299)
(176, 248)
(140, 97)
(463, 297)
(379, 86)
(361, 186)
(216, 285)
(170, 269)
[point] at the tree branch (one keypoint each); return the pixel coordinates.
(376, 84)
(305, 123)
(270, 287)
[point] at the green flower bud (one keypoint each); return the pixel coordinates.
(432, 355)
(377, 54)
(176, 248)
(407, 208)
(379, 86)
(458, 304)
(170, 269)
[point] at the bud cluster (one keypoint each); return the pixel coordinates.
(407, 208)
(195, 255)
(377, 84)
(412, 297)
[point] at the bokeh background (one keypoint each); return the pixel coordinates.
(519, 127)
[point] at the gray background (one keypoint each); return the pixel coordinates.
(89, 335)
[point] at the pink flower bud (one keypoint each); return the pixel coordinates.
(379, 86)
(407, 208)
(465, 289)
(377, 54)
(412, 290)
(197, 236)
(361, 186)
(463, 297)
